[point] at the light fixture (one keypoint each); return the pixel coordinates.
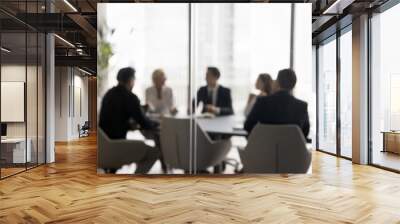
(70, 5)
(64, 40)
(5, 50)
(84, 71)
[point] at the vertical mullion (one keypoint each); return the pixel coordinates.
(317, 95)
(46, 36)
(194, 83)
(0, 96)
(37, 89)
(338, 94)
(26, 86)
(292, 36)
(191, 108)
(369, 89)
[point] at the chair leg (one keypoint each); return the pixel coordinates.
(220, 168)
(233, 163)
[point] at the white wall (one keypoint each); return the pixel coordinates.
(71, 94)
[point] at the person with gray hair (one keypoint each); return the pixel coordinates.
(159, 97)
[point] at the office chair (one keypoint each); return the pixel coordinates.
(175, 145)
(276, 149)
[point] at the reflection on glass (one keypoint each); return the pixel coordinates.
(385, 89)
(346, 94)
(327, 96)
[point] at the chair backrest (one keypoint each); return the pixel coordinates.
(175, 145)
(276, 149)
(175, 142)
(102, 140)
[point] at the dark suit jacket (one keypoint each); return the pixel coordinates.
(224, 99)
(279, 108)
(119, 107)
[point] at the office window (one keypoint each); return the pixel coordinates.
(327, 96)
(346, 94)
(303, 64)
(385, 88)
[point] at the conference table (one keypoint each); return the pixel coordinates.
(223, 125)
(229, 125)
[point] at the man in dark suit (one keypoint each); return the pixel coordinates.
(120, 110)
(281, 107)
(216, 99)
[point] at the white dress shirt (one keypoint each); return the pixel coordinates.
(163, 105)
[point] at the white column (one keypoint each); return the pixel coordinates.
(360, 90)
(50, 99)
(50, 92)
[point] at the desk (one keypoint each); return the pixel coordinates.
(223, 125)
(391, 141)
(13, 150)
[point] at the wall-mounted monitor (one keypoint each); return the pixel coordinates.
(12, 101)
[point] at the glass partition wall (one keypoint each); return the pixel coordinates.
(22, 94)
(240, 41)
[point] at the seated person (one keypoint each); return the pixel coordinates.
(216, 99)
(264, 85)
(119, 108)
(281, 107)
(159, 97)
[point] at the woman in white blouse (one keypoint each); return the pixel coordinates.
(159, 97)
(264, 84)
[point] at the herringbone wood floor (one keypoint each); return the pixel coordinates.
(70, 191)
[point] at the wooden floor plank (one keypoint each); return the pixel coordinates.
(70, 191)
